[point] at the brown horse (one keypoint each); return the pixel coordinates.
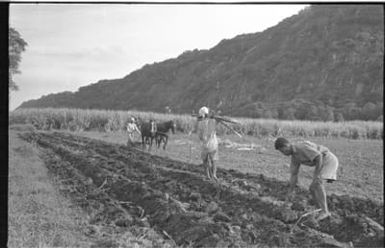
(148, 130)
(162, 130)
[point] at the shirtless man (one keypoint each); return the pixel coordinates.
(131, 129)
(310, 154)
(206, 130)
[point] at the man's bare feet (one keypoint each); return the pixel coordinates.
(215, 178)
(323, 215)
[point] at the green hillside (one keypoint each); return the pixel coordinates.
(325, 63)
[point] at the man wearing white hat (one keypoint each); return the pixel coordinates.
(206, 130)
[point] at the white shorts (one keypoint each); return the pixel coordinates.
(206, 154)
(329, 166)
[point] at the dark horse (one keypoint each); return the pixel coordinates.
(148, 130)
(161, 133)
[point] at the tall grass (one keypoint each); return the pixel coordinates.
(37, 215)
(112, 121)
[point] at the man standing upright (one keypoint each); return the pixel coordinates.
(206, 130)
(310, 154)
(131, 129)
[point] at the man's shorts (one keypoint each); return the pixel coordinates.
(206, 154)
(329, 166)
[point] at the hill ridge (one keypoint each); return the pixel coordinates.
(324, 63)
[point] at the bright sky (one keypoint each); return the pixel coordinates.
(73, 45)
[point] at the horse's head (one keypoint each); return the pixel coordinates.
(153, 128)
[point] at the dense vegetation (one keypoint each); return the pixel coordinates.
(325, 63)
(16, 45)
(116, 121)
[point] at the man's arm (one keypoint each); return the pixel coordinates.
(294, 169)
(318, 167)
(137, 129)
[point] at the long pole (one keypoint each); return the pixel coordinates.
(232, 129)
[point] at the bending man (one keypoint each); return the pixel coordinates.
(310, 154)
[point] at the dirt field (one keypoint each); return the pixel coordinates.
(130, 188)
(361, 161)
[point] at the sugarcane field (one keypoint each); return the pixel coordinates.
(271, 137)
(164, 196)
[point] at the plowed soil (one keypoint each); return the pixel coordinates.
(181, 205)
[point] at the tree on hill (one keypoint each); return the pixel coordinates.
(16, 46)
(369, 111)
(339, 117)
(351, 111)
(327, 113)
(286, 113)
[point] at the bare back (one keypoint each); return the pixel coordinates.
(206, 130)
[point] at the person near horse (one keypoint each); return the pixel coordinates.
(131, 129)
(161, 133)
(206, 130)
(310, 154)
(148, 130)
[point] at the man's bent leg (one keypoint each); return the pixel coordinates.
(313, 195)
(320, 197)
